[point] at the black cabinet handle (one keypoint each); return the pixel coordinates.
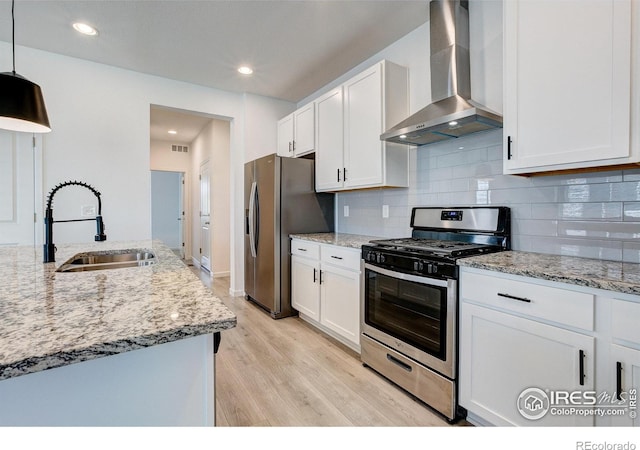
(508, 147)
(338, 175)
(513, 297)
(619, 380)
(293, 146)
(344, 172)
(315, 274)
(320, 276)
(336, 257)
(581, 362)
(302, 249)
(397, 362)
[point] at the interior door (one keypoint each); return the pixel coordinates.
(181, 217)
(205, 216)
(20, 188)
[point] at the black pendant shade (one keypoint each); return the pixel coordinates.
(22, 105)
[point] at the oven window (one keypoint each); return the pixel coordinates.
(413, 312)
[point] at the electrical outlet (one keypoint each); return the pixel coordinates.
(346, 210)
(385, 211)
(88, 211)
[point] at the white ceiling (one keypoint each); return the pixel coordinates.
(294, 47)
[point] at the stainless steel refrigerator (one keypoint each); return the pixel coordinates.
(279, 199)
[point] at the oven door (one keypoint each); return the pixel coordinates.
(413, 315)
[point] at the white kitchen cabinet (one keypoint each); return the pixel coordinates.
(518, 332)
(285, 136)
(296, 135)
(624, 365)
(349, 121)
(502, 355)
(305, 278)
(340, 292)
(325, 289)
(329, 141)
(569, 98)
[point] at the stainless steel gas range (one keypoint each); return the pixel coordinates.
(410, 298)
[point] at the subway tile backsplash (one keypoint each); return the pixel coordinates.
(594, 215)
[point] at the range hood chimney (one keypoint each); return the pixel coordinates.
(452, 114)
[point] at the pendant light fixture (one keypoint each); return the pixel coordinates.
(21, 102)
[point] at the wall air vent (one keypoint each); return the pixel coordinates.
(180, 148)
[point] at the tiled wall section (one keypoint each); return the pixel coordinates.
(594, 215)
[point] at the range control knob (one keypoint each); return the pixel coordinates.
(380, 257)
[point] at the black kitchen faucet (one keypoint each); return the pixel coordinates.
(49, 247)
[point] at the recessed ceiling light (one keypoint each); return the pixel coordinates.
(453, 123)
(245, 70)
(172, 132)
(403, 136)
(85, 29)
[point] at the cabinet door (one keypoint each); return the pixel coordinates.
(285, 136)
(568, 88)
(329, 141)
(501, 356)
(625, 368)
(304, 130)
(363, 126)
(340, 302)
(305, 291)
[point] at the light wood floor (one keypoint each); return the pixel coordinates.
(286, 373)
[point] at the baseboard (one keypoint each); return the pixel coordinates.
(195, 262)
(236, 292)
(224, 274)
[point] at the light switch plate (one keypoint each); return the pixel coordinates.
(346, 210)
(385, 211)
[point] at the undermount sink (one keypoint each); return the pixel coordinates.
(108, 260)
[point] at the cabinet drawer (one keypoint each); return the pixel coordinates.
(624, 320)
(305, 248)
(562, 306)
(342, 257)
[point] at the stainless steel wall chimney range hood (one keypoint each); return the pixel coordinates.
(452, 114)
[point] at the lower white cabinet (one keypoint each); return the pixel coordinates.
(325, 288)
(503, 355)
(624, 366)
(539, 353)
(305, 295)
(340, 301)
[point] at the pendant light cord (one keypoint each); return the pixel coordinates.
(13, 34)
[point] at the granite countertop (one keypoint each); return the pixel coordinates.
(50, 319)
(594, 273)
(339, 239)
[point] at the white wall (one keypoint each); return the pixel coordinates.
(263, 114)
(212, 144)
(100, 120)
(165, 208)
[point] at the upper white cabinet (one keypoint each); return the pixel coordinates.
(329, 141)
(296, 132)
(569, 98)
(285, 136)
(349, 121)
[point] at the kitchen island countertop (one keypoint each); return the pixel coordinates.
(616, 276)
(50, 319)
(339, 239)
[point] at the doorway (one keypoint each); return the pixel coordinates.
(205, 216)
(167, 210)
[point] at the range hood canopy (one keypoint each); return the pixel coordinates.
(452, 114)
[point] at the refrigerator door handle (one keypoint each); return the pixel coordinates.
(252, 218)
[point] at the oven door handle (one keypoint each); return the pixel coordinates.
(406, 276)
